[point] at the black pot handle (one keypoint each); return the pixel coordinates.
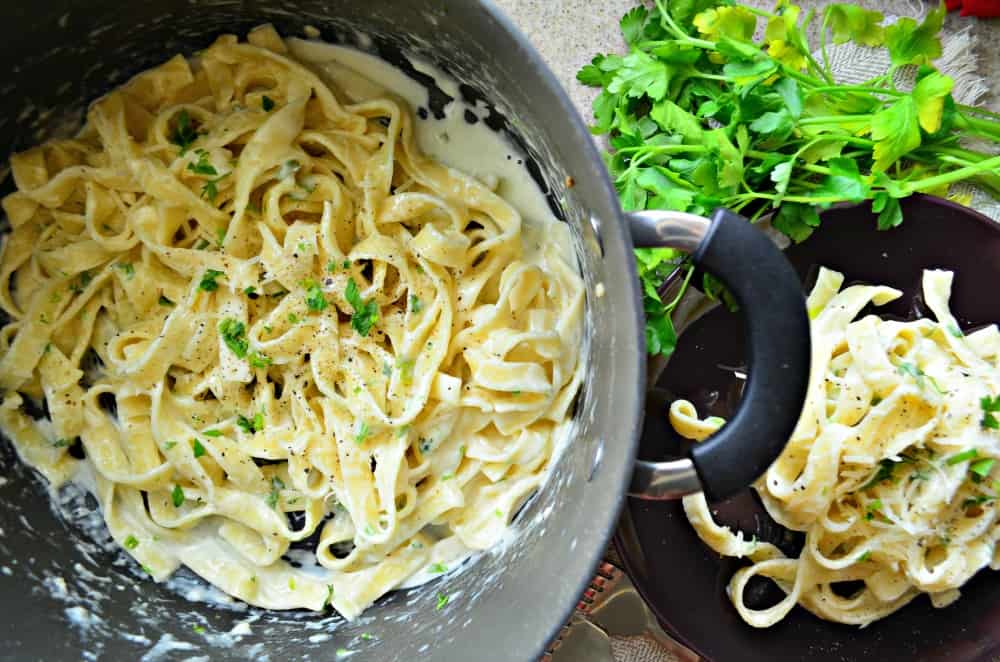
(779, 349)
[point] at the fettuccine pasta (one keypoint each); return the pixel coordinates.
(271, 325)
(891, 471)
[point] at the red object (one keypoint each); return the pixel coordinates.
(980, 8)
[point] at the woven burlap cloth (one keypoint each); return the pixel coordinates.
(855, 64)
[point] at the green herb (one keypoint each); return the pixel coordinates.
(198, 449)
(267, 104)
(251, 425)
(343, 652)
(291, 583)
(208, 283)
(289, 168)
(346, 264)
(131, 542)
(232, 332)
(250, 290)
(293, 318)
(329, 594)
(977, 500)
(365, 313)
(198, 628)
(169, 444)
(363, 433)
(146, 569)
(438, 568)
(701, 115)
(990, 406)
(210, 189)
(442, 601)
(184, 133)
(127, 269)
(258, 360)
(83, 280)
(60, 443)
(447, 476)
(276, 486)
(405, 367)
(369, 531)
(865, 556)
(982, 467)
(415, 305)
(964, 456)
(955, 331)
(387, 369)
(885, 471)
(201, 245)
(177, 496)
(402, 431)
(366, 636)
(202, 166)
(212, 433)
(872, 508)
(331, 266)
(164, 301)
(314, 297)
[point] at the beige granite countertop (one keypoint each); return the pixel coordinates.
(569, 32)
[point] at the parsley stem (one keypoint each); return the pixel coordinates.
(666, 19)
(954, 176)
(854, 88)
(834, 119)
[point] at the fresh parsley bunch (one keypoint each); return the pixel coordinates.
(701, 115)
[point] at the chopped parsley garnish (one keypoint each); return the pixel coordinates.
(169, 444)
(331, 266)
(82, 282)
(405, 367)
(872, 508)
(885, 470)
(438, 568)
(365, 636)
(387, 369)
(164, 301)
(329, 594)
(210, 189)
(977, 500)
(415, 305)
(447, 476)
(131, 542)
(289, 167)
(865, 556)
(127, 269)
(314, 296)
(442, 601)
(964, 456)
(365, 313)
(401, 432)
(267, 103)
(177, 496)
(363, 433)
(198, 449)
(919, 375)
(293, 318)
(276, 486)
(198, 628)
(990, 407)
(258, 360)
(208, 280)
(291, 583)
(201, 245)
(343, 652)
(982, 467)
(202, 166)
(212, 433)
(232, 332)
(250, 291)
(251, 425)
(955, 331)
(184, 133)
(60, 443)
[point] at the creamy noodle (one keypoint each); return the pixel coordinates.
(890, 472)
(269, 319)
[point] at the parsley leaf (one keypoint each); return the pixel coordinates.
(964, 456)
(442, 601)
(365, 313)
(208, 283)
(164, 301)
(314, 296)
(275, 495)
(131, 542)
(198, 449)
(232, 332)
(362, 434)
(128, 269)
(258, 360)
(251, 425)
(202, 166)
(184, 133)
(415, 304)
(910, 43)
(990, 406)
(853, 23)
(177, 496)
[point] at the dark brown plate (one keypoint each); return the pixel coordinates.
(685, 583)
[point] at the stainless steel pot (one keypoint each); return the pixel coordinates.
(60, 54)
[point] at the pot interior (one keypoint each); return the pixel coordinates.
(68, 594)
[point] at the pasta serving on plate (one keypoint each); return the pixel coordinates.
(272, 324)
(891, 472)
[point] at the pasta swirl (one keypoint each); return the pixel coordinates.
(274, 325)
